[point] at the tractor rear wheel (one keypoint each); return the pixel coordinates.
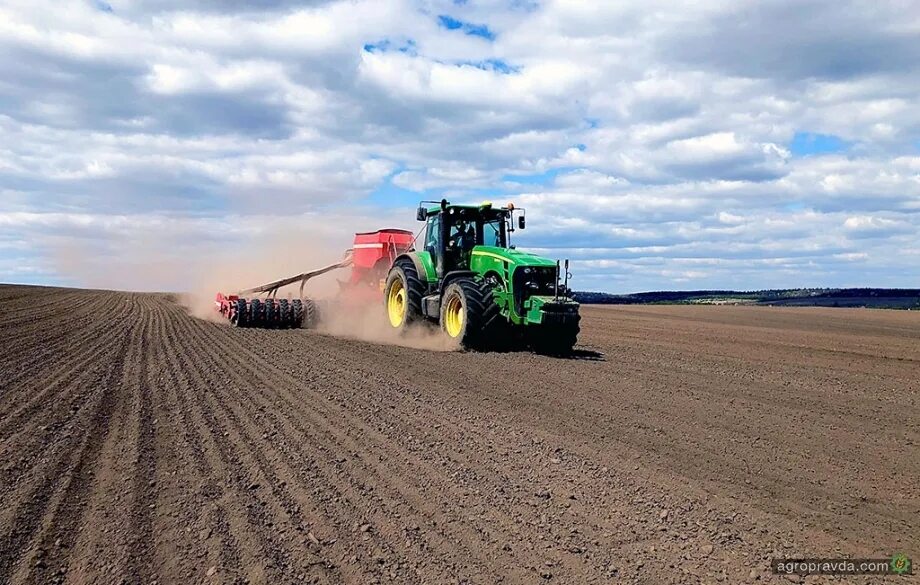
(403, 295)
(469, 313)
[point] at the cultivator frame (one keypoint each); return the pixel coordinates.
(369, 259)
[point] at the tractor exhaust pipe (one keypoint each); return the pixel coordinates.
(556, 286)
(567, 275)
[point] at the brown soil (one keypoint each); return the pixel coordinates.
(681, 445)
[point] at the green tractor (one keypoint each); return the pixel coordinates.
(480, 289)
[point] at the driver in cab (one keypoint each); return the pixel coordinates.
(462, 240)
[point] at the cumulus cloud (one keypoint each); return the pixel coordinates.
(708, 145)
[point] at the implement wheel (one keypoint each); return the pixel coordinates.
(285, 317)
(310, 313)
(240, 315)
(296, 313)
(403, 295)
(271, 313)
(468, 313)
(256, 314)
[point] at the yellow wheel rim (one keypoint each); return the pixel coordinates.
(396, 303)
(453, 316)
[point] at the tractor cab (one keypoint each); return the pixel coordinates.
(452, 231)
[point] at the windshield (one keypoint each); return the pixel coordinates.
(492, 233)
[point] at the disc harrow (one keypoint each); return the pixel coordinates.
(268, 313)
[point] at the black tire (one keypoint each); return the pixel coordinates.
(310, 314)
(240, 314)
(256, 313)
(271, 313)
(284, 314)
(404, 271)
(481, 316)
(296, 313)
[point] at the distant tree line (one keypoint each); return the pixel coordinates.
(849, 297)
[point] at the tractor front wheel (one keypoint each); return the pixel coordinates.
(468, 312)
(403, 295)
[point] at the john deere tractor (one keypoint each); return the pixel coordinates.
(477, 286)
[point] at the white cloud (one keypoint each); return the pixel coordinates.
(637, 134)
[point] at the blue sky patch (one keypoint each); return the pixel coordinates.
(475, 30)
(497, 65)
(389, 195)
(538, 178)
(808, 143)
(384, 45)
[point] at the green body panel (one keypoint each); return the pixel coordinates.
(484, 256)
(428, 273)
(533, 307)
(503, 262)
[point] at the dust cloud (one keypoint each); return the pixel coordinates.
(272, 258)
(369, 323)
(340, 314)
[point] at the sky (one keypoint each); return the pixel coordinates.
(657, 144)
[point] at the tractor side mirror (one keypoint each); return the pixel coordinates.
(521, 222)
(421, 214)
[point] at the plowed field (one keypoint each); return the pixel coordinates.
(679, 445)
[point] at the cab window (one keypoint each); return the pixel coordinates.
(433, 237)
(492, 233)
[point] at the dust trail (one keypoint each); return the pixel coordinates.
(274, 257)
(369, 323)
(340, 316)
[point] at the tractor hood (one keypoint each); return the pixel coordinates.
(483, 256)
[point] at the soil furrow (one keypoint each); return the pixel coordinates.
(201, 530)
(679, 445)
(75, 475)
(379, 464)
(61, 382)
